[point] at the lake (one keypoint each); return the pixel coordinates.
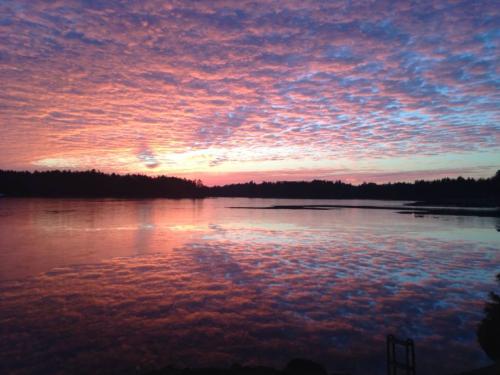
(131, 285)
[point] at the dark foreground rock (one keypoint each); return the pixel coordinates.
(294, 367)
(489, 370)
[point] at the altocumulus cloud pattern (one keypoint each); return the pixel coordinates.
(198, 88)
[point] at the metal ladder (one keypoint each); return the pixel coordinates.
(393, 364)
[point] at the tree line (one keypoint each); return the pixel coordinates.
(452, 191)
(483, 191)
(96, 184)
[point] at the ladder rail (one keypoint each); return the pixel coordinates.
(393, 364)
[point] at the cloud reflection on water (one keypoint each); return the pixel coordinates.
(223, 301)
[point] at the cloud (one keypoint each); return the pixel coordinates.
(338, 79)
(146, 156)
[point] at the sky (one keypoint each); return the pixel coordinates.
(232, 91)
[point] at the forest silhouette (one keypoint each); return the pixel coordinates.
(446, 191)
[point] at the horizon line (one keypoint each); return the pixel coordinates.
(93, 170)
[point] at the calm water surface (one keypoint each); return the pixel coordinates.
(129, 285)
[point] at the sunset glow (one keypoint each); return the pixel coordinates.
(231, 91)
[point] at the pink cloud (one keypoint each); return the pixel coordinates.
(340, 80)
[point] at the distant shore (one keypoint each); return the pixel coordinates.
(446, 192)
(466, 202)
(483, 212)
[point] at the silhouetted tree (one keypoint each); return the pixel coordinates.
(469, 191)
(96, 184)
(497, 175)
(480, 192)
(488, 332)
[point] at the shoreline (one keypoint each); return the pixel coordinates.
(409, 202)
(483, 212)
(417, 208)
